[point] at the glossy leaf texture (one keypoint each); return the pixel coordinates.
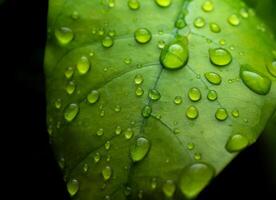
(151, 99)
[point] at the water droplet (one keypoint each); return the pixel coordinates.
(100, 132)
(58, 104)
(70, 88)
(133, 4)
(180, 23)
(207, 6)
(107, 197)
(102, 113)
(161, 44)
(112, 33)
(127, 61)
(107, 173)
(142, 35)
(235, 113)
(107, 145)
(138, 79)
(64, 35)
(192, 112)
(236, 143)
(244, 13)
(50, 130)
(222, 42)
(93, 96)
(107, 42)
(221, 114)
(69, 72)
(215, 28)
(271, 68)
(75, 15)
(146, 111)
(194, 94)
(255, 81)
(139, 91)
(163, 3)
(118, 130)
(169, 188)
(154, 95)
(111, 3)
(83, 65)
(73, 187)
(128, 133)
(101, 32)
(220, 57)
(176, 54)
(191, 146)
(194, 178)
(197, 156)
(97, 157)
(139, 149)
(153, 183)
(176, 131)
(85, 168)
(71, 111)
(178, 100)
(140, 194)
(199, 22)
(212, 95)
(213, 78)
(234, 20)
(61, 163)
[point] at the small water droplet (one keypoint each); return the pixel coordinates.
(139, 91)
(101, 32)
(221, 114)
(194, 94)
(194, 178)
(117, 108)
(83, 65)
(161, 44)
(85, 168)
(197, 156)
(207, 6)
(139, 149)
(102, 113)
(146, 111)
(107, 197)
(75, 15)
(127, 61)
(118, 130)
(168, 188)
(213, 78)
(215, 28)
(163, 3)
(107, 42)
(271, 68)
(133, 4)
(142, 35)
(153, 183)
(233, 20)
(244, 13)
(236, 143)
(64, 35)
(100, 132)
(69, 72)
(176, 54)
(176, 131)
(73, 187)
(70, 88)
(154, 94)
(178, 100)
(107, 173)
(97, 157)
(212, 95)
(180, 23)
(58, 104)
(107, 145)
(112, 33)
(127, 191)
(191, 146)
(93, 96)
(192, 112)
(235, 113)
(222, 42)
(140, 194)
(199, 22)
(256, 82)
(71, 111)
(220, 57)
(111, 3)
(128, 133)
(50, 130)
(138, 79)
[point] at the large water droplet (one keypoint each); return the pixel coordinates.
(71, 111)
(220, 56)
(163, 3)
(107, 42)
(255, 81)
(221, 114)
(73, 187)
(142, 35)
(271, 68)
(83, 65)
(133, 4)
(154, 95)
(213, 78)
(139, 149)
(128, 133)
(146, 111)
(70, 88)
(192, 112)
(194, 94)
(212, 95)
(64, 35)
(199, 22)
(194, 178)
(169, 188)
(236, 143)
(176, 54)
(107, 173)
(93, 96)
(234, 20)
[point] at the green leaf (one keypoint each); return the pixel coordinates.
(130, 117)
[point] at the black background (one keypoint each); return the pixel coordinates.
(36, 174)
